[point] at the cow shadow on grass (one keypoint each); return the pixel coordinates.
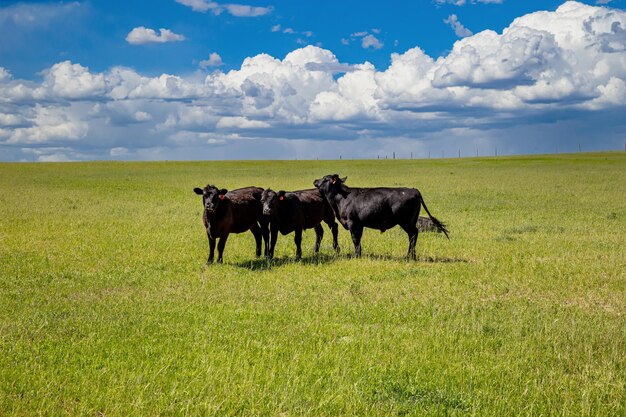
(263, 264)
(441, 259)
(420, 259)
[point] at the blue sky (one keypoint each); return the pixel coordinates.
(196, 79)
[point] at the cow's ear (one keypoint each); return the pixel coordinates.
(344, 179)
(222, 193)
(198, 191)
(335, 179)
(281, 195)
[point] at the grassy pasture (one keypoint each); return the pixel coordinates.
(107, 308)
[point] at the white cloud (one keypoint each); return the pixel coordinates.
(238, 10)
(370, 41)
(460, 30)
(291, 31)
(547, 69)
(73, 81)
(10, 120)
(241, 10)
(50, 123)
(5, 75)
(215, 60)
(367, 40)
(142, 35)
(238, 122)
(354, 97)
(199, 5)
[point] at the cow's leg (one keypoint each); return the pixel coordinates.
(211, 250)
(335, 230)
(265, 231)
(297, 239)
(412, 231)
(220, 247)
(258, 238)
(273, 238)
(357, 232)
(319, 234)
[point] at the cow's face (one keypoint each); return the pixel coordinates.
(211, 198)
(330, 184)
(269, 199)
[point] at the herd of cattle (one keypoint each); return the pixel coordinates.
(267, 212)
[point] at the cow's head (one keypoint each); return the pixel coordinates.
(211, 198)
(270, 200)
(330, 184)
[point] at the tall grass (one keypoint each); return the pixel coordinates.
(107, 308)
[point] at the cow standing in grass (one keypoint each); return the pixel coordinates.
(375, 208)
(236, 211)
(296, 211)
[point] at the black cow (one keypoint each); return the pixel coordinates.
(376, 208)
(295, 211)
(236, 211)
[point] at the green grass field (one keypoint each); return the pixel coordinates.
(107, 307)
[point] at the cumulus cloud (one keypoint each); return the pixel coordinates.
(238, 10)
(73, 81)
(5, 75)
(215, 60)
(547, 71)
(371, 41)
(460, 30)
(48, 124)
(142, 35)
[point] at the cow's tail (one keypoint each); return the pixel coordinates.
(441, 226)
